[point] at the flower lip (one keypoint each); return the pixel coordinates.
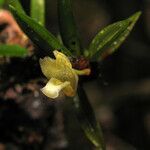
(52, 88)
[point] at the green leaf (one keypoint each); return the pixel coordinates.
(17, 5)
(38, 34)
(110, 38)
(68, 29)
(87, 119)
(12, 50)
(37, 8)
(1, 3)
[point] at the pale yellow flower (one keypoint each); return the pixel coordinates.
(61, 76)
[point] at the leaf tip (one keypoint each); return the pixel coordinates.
(135, 16)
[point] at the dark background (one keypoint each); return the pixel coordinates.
(120, 95)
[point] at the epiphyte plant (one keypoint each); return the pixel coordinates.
(71, 58)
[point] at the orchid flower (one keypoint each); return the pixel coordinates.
(61, 75)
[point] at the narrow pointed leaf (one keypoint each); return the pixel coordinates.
(17, 5)
(38, 34)
(37, 8)
(12, 50)
(111, 37)
(87, 119)
(68, 29)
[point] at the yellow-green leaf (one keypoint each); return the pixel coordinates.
(110, 38)
(68, 28)
(12, 50)
(37, 11)
(38, 34)
(87, 120)
(17, 5)
(1, 3)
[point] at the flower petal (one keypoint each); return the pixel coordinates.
(60, 69)
(51, 67)
(47, 66)
(62, 59)
(53, 88)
